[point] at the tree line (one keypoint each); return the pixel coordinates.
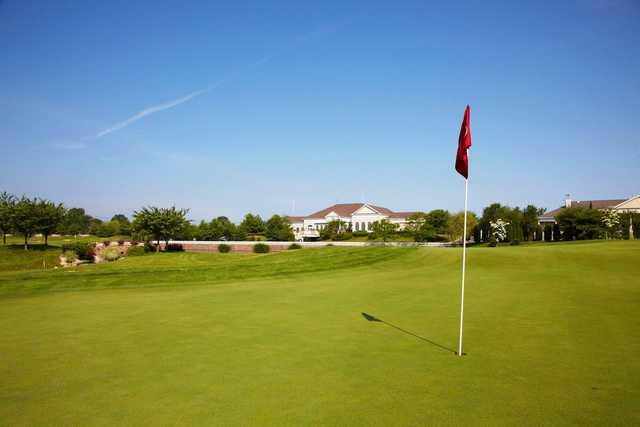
(30, 216)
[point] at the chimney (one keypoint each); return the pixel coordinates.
(567, 200)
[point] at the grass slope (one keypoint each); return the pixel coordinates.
(552, 336)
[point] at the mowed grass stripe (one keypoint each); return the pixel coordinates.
(171, 269)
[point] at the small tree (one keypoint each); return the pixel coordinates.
(332, 229)
(384, 228)
(252, 224)
(108, 229)
(455, 226)
(420, 228)
(439, 220)
(49, 216)
(278, 228)
(25, 218)
(159, 223)
(499, 229)
(611, 222)
(7, 206)
(580, 223)
(75, 221)
(124, 225)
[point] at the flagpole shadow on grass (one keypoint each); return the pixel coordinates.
(371, 318)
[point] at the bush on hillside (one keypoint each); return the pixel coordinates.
(360, 233)
(84, 251)
(135, 251)
(110, 254)
(261, 248)
(294, 246)
(224, 248)
(70, 256)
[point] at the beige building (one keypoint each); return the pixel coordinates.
(619, 205)
(356, 216)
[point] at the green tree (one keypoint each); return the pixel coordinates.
(384, 229)
(331, 229)
(75, 221)
(252, 224)
(419, 228)
(455, 227)
(278, 228)
(124, 225)
(160, 223)
(108, 229)
(492, 213)
(439, 220)
(415, 221)
(25, 218)
(94, 225)
(7, 206)
(530, 216)
(577, 223)
(49, 216)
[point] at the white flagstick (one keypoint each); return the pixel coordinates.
(464, 259)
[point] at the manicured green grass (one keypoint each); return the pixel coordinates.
(552, 334)
(15, 258)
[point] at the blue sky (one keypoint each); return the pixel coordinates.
(231, 107)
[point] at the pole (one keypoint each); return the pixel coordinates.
(464, 261)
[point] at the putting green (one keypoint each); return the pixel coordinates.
(552, 334)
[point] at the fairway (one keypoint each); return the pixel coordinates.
(552, 336)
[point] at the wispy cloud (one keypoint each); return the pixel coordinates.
(287, 47)
(150, 110)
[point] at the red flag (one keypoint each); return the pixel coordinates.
(464, 142)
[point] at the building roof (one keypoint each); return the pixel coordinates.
(293, 219)
(595, 204)
(342, 209)
(347, 209)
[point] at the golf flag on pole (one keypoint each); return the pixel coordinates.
(462, 166)
(464, 142)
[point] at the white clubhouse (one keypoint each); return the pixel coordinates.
(355, 216)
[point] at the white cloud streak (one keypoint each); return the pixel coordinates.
(150, 110)
(295, 44)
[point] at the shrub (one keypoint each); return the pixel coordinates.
(106, 242)
(70, 256)
(261, 248)
(294, 246)
(135, 251)
(360, 233)
(493, 242)
(149, 247)
(83, 251)
(174, 247)
(224, 248)
(371, 236)
(111, 254)
(515, 242)
(120, 242)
